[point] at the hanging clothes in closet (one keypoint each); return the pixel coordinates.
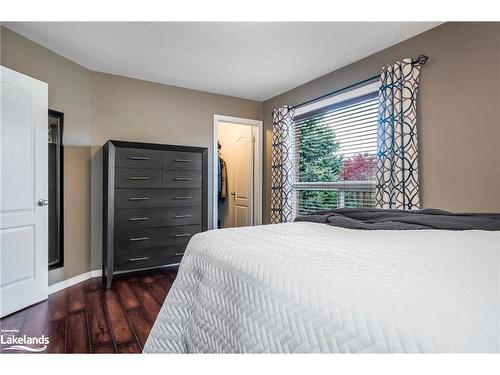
(222, 178)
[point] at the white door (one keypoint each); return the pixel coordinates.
(243, 172)
(24, 190)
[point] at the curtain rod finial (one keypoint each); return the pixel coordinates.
(422, 59)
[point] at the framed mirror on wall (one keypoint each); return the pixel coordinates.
(56, 158)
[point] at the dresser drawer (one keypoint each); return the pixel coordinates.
(153, 257)
(137, 178)
(138, 158)
(126, 219)
(142, 198)
(181, 179)
(188, 161)
(133, 241)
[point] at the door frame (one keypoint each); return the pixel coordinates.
(258, 166)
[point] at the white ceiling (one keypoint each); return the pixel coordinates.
(249, 60)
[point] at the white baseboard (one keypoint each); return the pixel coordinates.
(88, 275)
(74, 280)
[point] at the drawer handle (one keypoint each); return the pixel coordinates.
(183, 235)
(181, 216)
(138, 218)
(182, 197)
(183, 179)
(139, 158)
(178, 254)
(139, 239)
(183, 160)
(139, 198)
(137, 259)
(133, 178)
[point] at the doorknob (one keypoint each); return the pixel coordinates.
(233, 193)
(43, 202)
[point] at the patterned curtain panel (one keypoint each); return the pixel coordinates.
(397, 168)
(282, 166)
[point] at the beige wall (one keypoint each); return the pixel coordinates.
(69, 92)
(459, 126)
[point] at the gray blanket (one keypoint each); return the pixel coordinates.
(380, 219)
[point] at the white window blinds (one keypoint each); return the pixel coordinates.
(335, 155)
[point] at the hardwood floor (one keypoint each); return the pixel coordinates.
(88, 318)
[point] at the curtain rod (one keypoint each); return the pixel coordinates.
(420, 60)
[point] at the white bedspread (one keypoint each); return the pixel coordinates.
(305, 287)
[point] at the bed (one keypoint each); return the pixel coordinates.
(309, 287)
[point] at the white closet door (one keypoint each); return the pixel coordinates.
(243, 177)
(24, 190)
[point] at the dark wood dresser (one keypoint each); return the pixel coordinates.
(154, 201)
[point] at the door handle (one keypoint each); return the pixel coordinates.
(43, 202)
(233, 193)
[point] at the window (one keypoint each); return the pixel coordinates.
(335, 144)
